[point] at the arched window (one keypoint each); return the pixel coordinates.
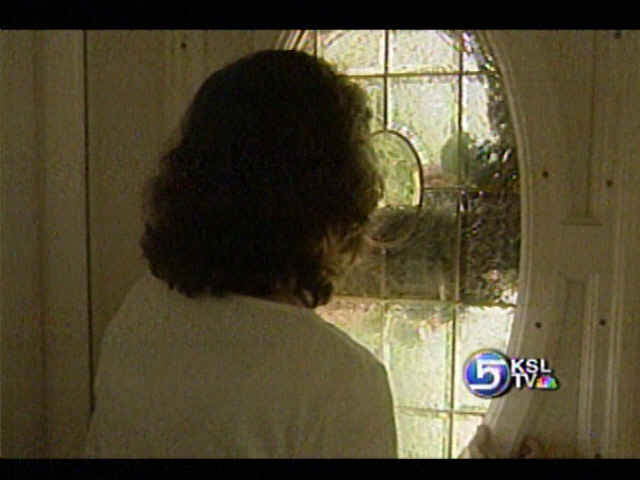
(441, 283)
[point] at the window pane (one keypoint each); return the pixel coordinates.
(365, 278)
(361, 319)
(425, 110)
(478, 328)
(490, 245)
(307, 42)
(419, 352)
(400, 168)
(475, 101)
(353, 52)
(475, 57)
(421, 51)
(422, 435)
(464, 429)
(462, 245)
(490, 139)
(423, 266)
(374, 87)
(498, 111)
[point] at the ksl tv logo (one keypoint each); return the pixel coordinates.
(490, 374)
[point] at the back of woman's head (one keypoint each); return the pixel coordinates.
(270, 186)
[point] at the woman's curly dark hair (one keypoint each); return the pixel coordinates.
(271, 184)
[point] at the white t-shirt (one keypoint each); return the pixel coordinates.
(234, 377)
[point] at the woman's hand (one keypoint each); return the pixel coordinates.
(530, 448)
(481, 447)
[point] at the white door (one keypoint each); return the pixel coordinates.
(574, 100)
(575, 112)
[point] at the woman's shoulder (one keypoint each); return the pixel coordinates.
(306, 333)
(152, 308)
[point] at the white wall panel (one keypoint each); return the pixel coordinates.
(21, 201)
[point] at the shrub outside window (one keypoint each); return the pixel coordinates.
(442, 280)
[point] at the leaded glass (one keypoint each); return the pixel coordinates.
(425, 109)
(464, 428)
(419, 353)
(374, 87)
(400, 168)
(422, 51)
(476, 58)
(360, 318)
(423, 265)
(307, 42)
(440, 281)
(477, 328)
(353, 52)
(422, 434)
(365, 278)
(490, 245)
(475, 105)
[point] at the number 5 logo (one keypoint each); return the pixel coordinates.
(490, 367)
(486, 374)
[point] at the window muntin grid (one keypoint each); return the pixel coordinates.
(450, 287)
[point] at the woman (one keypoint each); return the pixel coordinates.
(258, 209)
